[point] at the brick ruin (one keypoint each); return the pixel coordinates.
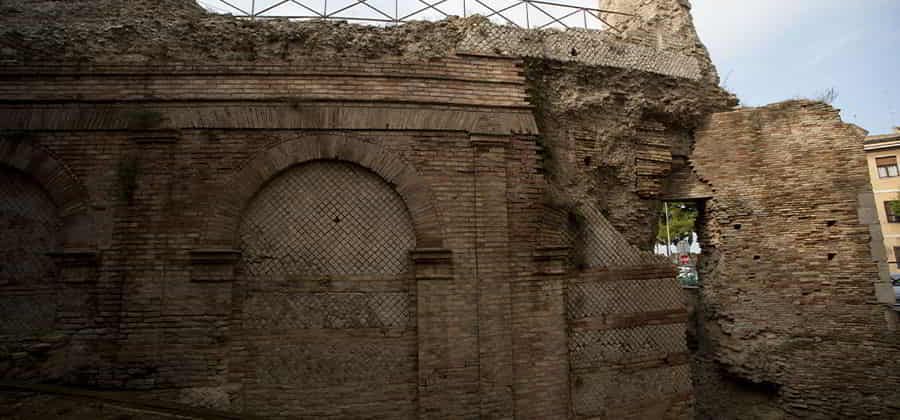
(434, 220)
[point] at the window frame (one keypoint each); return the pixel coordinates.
(884, 169)
(889, 214)
(896, 257)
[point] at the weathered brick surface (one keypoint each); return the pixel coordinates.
(788, 299)
(513, 284)
(578, 45)
(610, 136)
(661, 24)
(177, 30)
(193, 286)
(29, 302)
(367, 86)
(628, 357)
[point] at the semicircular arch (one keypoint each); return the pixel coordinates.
(238, 192)
(63, 188)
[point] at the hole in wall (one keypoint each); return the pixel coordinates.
(830, 222)
(587, 161)
(756, 257)
(573, 52)
(737, 226)
(831, 256)
(763, 388)
(678, 238)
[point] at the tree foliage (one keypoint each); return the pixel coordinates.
(682, 217)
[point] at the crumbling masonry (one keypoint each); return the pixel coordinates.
(434, 220)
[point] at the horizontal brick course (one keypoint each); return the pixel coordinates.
(475, 326)
(787, 297)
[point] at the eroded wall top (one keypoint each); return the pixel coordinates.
(662, 24)
(179, 31)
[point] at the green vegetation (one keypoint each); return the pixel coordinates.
(682, 217)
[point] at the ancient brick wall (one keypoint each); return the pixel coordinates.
(664, 25)
(611, 136)
(789, 324)
(190, 195)
(179, 31)
(31, 228)
(324, 246)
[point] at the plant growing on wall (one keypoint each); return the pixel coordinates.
(827, 96)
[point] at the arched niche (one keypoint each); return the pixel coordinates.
(222, 228)
(63, 188)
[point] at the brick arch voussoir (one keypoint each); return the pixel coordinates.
(63, 187)
(243, 186)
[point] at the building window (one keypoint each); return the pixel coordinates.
(897, 255)
(887, 166)
(892, 211)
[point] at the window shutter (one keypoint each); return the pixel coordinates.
(887, 160)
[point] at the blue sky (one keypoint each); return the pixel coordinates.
(771, 50)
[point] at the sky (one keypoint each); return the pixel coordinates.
(765, 50)
(771, 50)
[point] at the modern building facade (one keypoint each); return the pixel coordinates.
(882, 153)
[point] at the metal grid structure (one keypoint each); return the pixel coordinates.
(531, 14)
(327, 218)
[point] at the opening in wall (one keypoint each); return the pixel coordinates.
(677, 238)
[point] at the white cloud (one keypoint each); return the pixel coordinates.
(731, 26)
(825, 51)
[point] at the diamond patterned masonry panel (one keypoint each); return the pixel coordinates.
(598, 298)
(330, 361)
(595, 348)
(601, 245)
(327, 218)
(277, 311)
(26, 315)
(595, 392)
(29, 226)
(591, 47)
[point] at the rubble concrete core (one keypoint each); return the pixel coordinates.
(161, 166)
